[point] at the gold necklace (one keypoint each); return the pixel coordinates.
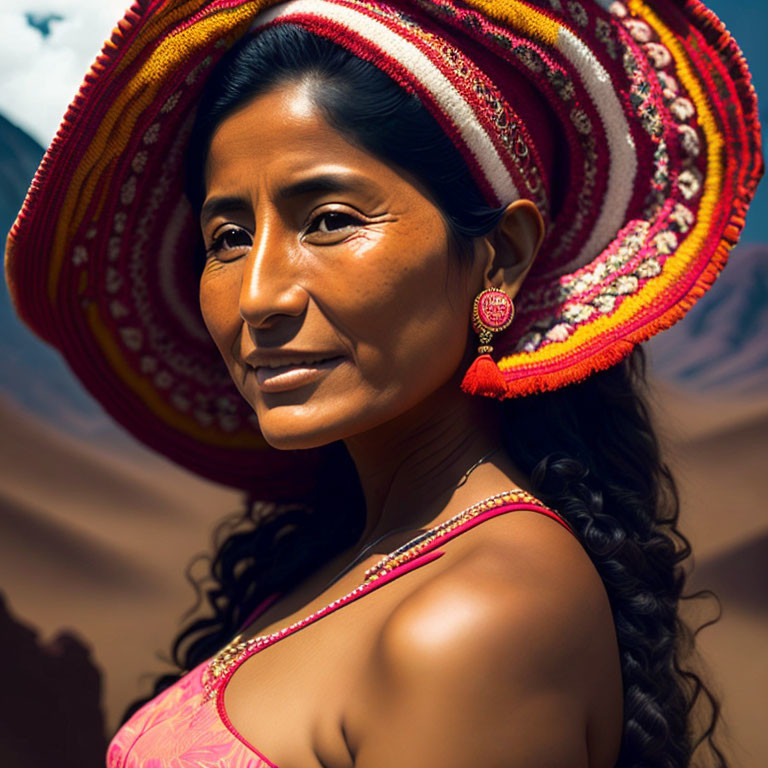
(362, 552)
(231, 653)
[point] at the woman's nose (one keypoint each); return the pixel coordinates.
(269, 285)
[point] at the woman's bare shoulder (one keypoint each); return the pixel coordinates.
(521, 578)
(510, 645)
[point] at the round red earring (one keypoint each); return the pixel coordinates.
(493, 312)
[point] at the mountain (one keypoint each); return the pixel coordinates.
(20, 155)
(721, 346)
(98, 543)
(32, 373)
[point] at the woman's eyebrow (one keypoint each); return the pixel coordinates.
(213, 206)
(325, 182)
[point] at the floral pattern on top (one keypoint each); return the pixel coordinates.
(180, 729)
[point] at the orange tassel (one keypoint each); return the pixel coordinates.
(484, 378)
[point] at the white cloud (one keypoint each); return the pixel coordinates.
(39, 77)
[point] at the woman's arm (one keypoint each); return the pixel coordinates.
(504, 660)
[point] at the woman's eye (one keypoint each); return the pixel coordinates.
(230, 240)
(332, 221)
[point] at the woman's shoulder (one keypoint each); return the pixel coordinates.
(519, 623)
(515, 574)
(519, 555)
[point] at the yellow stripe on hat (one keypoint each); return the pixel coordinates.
(116, 129)
(247, 438)
(529, 21)
(153, 29)
(679, 262)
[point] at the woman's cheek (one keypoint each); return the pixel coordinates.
(220, 304)
(406, 320)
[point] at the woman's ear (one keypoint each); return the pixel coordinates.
(512, 246)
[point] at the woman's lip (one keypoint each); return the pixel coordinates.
(287, 377)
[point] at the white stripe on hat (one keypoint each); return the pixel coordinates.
(447, 98)
(623, 154)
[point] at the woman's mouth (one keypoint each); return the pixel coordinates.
(283, 378)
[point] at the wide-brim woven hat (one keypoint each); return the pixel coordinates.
(660, 143)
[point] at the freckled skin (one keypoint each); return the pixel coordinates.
(383, 291)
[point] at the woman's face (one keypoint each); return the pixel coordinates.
(328, 287)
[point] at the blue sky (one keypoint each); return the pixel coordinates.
(747, 20)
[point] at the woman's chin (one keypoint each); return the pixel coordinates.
(298, 428)
(295, 442)
(295, 434)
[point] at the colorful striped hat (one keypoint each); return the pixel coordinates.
(645, 108)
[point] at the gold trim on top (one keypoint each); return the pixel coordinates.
(231, 654)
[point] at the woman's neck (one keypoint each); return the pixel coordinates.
(409, 467)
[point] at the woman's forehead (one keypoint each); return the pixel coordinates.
(277, 131)
(283, 120)
(289, 151)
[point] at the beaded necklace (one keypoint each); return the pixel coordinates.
(236, 649)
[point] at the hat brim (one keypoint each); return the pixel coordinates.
(99, 259)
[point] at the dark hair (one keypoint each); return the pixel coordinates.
(589, 449)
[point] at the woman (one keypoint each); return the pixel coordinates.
(432, 235)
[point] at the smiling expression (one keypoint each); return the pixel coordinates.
(328, 287)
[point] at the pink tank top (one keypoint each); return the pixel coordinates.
(182, 728)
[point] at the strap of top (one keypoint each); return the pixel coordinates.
(429, 544)
(223, 665)
(504, 502)
(259, 609)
